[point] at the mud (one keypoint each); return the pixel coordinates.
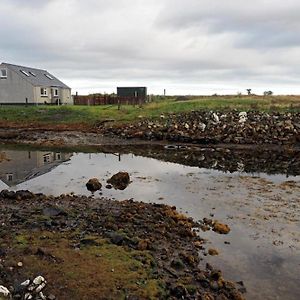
(44, 235)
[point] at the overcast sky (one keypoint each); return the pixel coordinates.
(184, 46)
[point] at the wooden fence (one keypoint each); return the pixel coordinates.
(108, 100)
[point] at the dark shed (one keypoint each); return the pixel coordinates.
(139, 92)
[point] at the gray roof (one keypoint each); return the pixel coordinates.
(37, 77)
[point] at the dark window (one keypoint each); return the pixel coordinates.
(9, 177)
(49, 76)
(43, 92)
(25, 73)
(3, 73)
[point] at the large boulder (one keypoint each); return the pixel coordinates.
(93, 185)
(119, 181)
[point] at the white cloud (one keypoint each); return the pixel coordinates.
(192, 46)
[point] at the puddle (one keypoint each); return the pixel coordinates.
(262, 209)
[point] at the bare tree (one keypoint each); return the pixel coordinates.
(268, 93)
(249, 91)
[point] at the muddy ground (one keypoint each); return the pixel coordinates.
(100, 249)
(135, 250)
(84, 139)
(243, 130)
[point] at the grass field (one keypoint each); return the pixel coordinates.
(128, 113)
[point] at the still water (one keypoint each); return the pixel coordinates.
(263, 247)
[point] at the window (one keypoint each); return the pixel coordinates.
(55, 92)
(25, 73)
(44, 92)
(46, 158)
(31, 73)
(49, 76)
(3, 73)
(9, 177)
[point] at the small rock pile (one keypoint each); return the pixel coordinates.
(208, 127)
(27, 290)
(118, 181)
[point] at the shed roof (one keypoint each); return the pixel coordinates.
(36, 77)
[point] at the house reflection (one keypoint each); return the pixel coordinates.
(20, 166)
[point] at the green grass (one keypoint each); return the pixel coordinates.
(128, 113)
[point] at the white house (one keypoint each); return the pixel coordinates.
(25, 85)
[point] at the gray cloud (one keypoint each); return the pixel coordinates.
(199, 46)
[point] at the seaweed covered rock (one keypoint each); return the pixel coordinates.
(93, 185)
(119, 181)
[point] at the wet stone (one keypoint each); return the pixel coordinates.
(54, 211)
(8, 194)
(119, 181)
(221, 228)
(24, 194)
(213, 252)
(93, 185)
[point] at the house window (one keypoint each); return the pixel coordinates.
(31, 73)
(3, 73)
(55, 92)
(9, 177)
(46, 158)
(49, 76)
(25, 73)
(44, 92)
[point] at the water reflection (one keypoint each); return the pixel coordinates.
(20, 166)
(285, 162)
(256, 209)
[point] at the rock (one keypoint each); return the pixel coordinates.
(221, 228)
(202, 126)
(42, 296)
(233, 127)
(215, 117)
(24, 195)
(119, 181)
(2, 252)
(179, 291)
(93, 185)
(198, 244)
(4, 292)
(40, 287)
(177, 264)
(143, 245)
(25, 283)
(53, 211)
(28, 296)
(116, 238)
(213, 252)
(8, 194)
(38, 280)
(20, 264)
(89, 242)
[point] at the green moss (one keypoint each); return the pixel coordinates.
(192, 289)
(21, 240)
(103, 269)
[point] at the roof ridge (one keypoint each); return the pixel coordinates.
(25, 67)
